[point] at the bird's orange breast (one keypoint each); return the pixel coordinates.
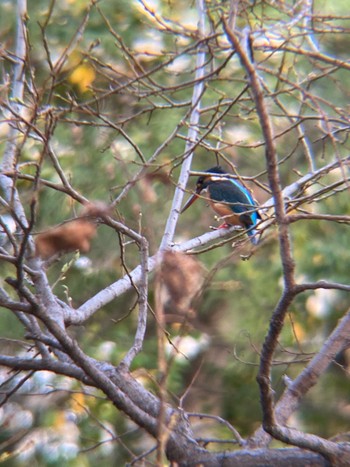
(226, 213)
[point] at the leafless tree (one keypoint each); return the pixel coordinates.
(258, 52)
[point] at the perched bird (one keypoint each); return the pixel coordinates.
(228, 198)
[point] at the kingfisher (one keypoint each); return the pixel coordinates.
(228, 198)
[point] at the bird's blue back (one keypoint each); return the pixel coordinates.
(236, 196)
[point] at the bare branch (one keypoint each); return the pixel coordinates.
(17, 95)
(308, 378)
(198, 91)
(143, 306)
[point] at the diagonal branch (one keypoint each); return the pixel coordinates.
(124, 284)
(296, 390)
(133, 278)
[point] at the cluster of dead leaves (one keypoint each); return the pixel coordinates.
(181, 279)
(73, 235)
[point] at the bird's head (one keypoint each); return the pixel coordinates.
(214, 175)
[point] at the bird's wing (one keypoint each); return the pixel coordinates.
(237, 198)
(232, 193)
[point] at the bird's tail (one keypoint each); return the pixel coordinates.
(254, 236)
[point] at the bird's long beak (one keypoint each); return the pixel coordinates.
(190, 201)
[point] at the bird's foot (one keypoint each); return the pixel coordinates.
(222, 226)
